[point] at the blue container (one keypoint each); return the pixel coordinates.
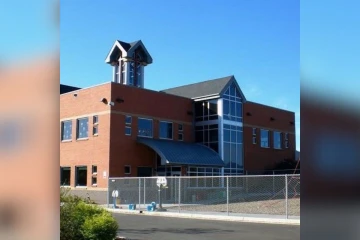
(150, 208)
(130, 206)
(154, 205)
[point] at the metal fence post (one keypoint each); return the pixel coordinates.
(108, 193)
(179, 192)
(286, 195)
(139, 193)
(227, 194)
(144, 194)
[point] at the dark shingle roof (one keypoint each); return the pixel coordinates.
(183, 153)
(200, 89)
(127, 46)
(67, 88)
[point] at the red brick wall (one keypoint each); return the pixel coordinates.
(257, 158)
(94, 150)
(147, 104)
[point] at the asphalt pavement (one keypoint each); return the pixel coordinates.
(142, 227)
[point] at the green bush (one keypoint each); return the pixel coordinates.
(100, 227)
(81, 221)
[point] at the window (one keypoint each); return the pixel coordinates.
(95, 119)
(128, 131)
(206, 110)
(94, 169)
(145, 127)
(95, 125)
(81, 176)
(277, 140)
(127, 169)
(128, 120)
(286, 140)
(94, 181)
(180, 132)
(254, 140)
(254, 131)
(95, 130)
(66, 130)
(65, 173)
(264, 134)
(166, 130)
(82, 128)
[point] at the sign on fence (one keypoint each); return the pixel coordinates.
(161, 181)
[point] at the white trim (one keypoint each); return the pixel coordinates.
(229, 122)
(116, 44)
(206, 97)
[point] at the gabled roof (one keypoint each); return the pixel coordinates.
(183, 153)
(126, 50)
(214, 87)
(66, 88)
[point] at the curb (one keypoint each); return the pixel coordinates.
(210, 217)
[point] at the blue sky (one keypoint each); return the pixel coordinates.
(190, 41)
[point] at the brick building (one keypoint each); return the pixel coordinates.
(120, 129)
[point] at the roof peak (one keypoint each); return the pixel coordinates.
(210, 80)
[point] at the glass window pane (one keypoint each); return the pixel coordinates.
(145, 127)
(214, 146)
(82, 128)
(180, 127)
(212, 109)
(66, 130)
(227, 154)
(226, 106)
(199, 136)
(128, 120)
(264, 134)
(239, 155)
(180, 137)
(233, 155)
(232, 90)
(213, 135)
(165, 130)
(238, 109)
(239, 137)
(233, 136)
(128, 131)
(226, 135)
(206, 135)
(232, 108)
(199, 110)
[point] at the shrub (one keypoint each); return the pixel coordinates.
(100, 227)
(76, 215)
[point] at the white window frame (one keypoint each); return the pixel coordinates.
(77, 128)
(62, 130)
(254, 141)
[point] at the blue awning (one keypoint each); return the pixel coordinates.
(182, 153)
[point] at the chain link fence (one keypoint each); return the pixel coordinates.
(227, 195)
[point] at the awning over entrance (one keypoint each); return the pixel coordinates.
(182, 153)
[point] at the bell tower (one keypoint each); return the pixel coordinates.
(128, 61)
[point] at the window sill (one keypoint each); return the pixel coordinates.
(66, 141)
(81, 187)
(94, 185)
(82, 139)
(95, 135)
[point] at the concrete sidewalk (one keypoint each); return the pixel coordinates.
(253, 218)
